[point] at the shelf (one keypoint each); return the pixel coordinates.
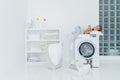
(43, 40)
(37, 41)
(35, 51)
(36, 63)
(51, 34)
(42, 29)
(36, 57)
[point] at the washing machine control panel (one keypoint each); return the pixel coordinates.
(93, 35)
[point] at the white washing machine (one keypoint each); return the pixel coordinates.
(87, 48)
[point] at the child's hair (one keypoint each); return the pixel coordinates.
(100, 28)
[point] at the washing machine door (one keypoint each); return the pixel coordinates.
(86, 49)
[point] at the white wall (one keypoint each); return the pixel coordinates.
(67, 14)
(12, 24)
(13, 13)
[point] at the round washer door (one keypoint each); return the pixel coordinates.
(86, 49)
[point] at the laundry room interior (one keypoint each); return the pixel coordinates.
(60, 39)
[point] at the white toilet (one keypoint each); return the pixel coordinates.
(54, 55)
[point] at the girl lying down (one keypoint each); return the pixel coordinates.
(95, 28)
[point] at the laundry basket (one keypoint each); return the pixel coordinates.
(54, 55)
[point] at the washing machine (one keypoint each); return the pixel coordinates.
(87, 48)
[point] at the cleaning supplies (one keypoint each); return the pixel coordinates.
(44, 24)
(37, 22)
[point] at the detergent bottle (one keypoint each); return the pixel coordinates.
(44, 24)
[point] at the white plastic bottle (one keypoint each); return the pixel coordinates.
(44, 24)
(37, 22)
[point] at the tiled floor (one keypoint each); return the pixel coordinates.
(110, 71)
(107, 71)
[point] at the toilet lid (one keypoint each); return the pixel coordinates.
(86, 49)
